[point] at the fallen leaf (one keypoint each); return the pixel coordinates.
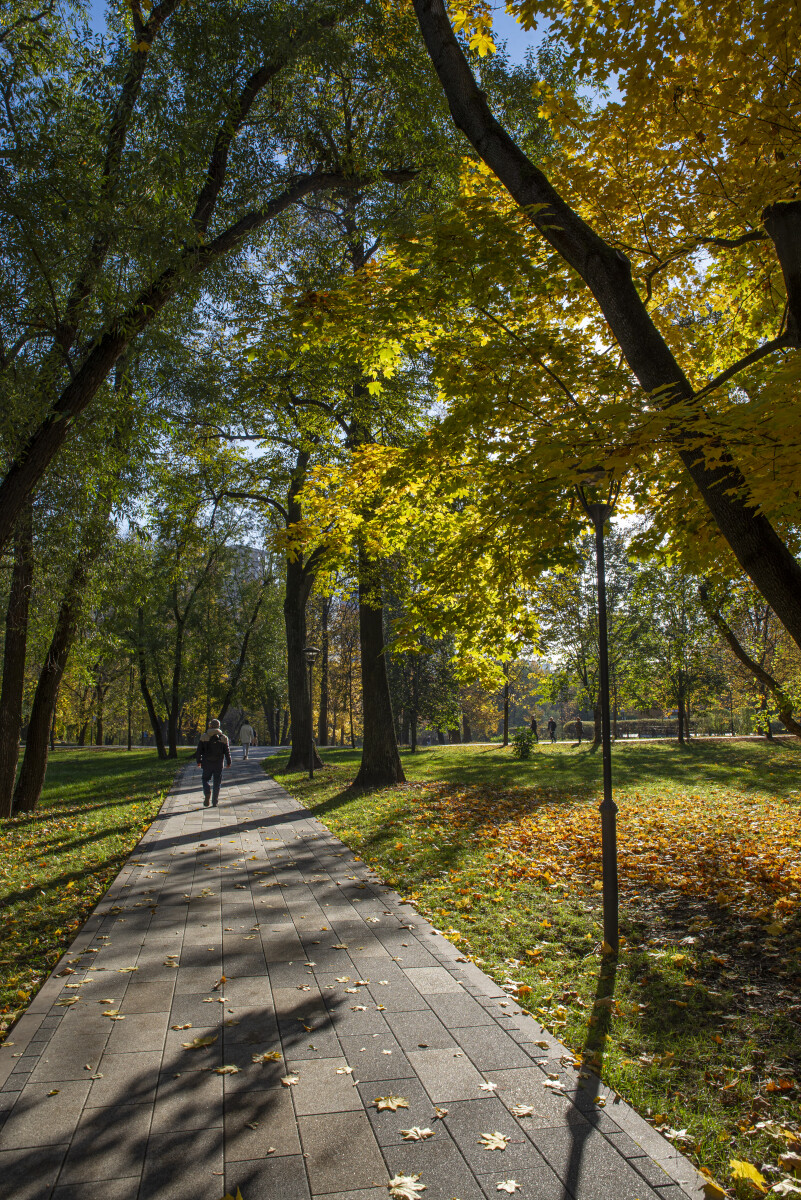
(344, 1070)
(439, 1113)
(392, 1103)
(543, 1045)
(748, 1172)
(487, 1087)
(199, 1042)
(188, 1025)
(268, 1056)
(713, 1190)
(416, 1134)
(216, 986)
(343, 978)
(508, 1185)
(358, 1008)
(790, 1162)
(230, 1070)
(405, 1187)
(786, 1188)
(493, 1141)
(522, 1110)
(290, 1080)
(553, 1084)
(54, 1092)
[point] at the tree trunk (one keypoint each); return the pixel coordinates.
(236, 674)
(467, 735)
(99, 697)
(506, 706)
(783, 701)
(322, 720)
(441, 737)
(175, 690)
(413, 731)
(680, 699)
(285, 729)
(34, 764)
(380, 765)
(454, 736)
(607, 274)
(405, 723)
(596, 721)
(298, 586)
(155, 723)
(14, 657)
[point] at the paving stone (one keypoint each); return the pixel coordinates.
(413, 1028)
(126, 1079)
(525, 1086)
(446, 1077)
(148, 997)
(192, 1101)
(108, 1189)
(587, 1164)
(387, 1124)
(321, 1089)
(269, 1178)
(183, 1165)
(441, 1168)
(38, 1119)
(458, 1010)
(109, 1143)
(271, 1112)
(370, 1062)
(340, 1148)
(30, 1174)
(139, 1031)
(491, 1048)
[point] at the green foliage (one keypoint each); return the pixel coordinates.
(522, 742)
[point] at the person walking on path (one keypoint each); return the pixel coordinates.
(212, 751)
(579, 729)
(552, 729)
(247, 736)
(534, 730)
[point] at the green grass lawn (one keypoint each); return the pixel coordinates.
(698, 1025)
(57, 862)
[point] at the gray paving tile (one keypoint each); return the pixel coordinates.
(376, 1057)
(40, 1119)
(440, 1166)
(446, 1077)
(183, 1165)
(192, 1101)
(269, 1178)
(258, 1123)
(148, 997)
(109, 1143)
(341, 1146)
(321, 1089)
(125, 1079)
(108, 1189)
(588, 1165)
(491, 1048)
(30, 1174)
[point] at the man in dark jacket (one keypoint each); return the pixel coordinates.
(212, 751)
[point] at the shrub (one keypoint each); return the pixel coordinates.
(522, 741)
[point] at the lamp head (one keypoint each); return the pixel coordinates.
(310, 654)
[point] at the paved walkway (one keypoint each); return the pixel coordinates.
(254, 930)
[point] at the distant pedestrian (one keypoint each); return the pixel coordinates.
(247, 736)
(551, 729)
(579, 729)
(534, 730)
(212, 751)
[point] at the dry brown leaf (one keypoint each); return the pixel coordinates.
(199, 1042)
(405, 1187)
(229, 1070)
(416, 1134)
(391, 1103)
(522, 1110)
(290, 1080)
(493, 1141)
(188, 1025)
(268, 1056)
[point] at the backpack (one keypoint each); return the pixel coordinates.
(214, 750)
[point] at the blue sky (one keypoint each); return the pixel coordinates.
(517, 39)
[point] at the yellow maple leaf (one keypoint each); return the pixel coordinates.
(748, 1172)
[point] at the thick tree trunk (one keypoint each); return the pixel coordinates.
(322, 720)
(380, 765)
(506, 706)
(34, 764)
(155, 723)
(607, 273)
(467, 735)
(14, 657)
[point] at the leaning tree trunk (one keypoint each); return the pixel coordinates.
(380, 765)
(298, 586)
(14, 657)
(155, 723)
(34, 764)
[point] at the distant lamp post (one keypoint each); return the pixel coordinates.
(310, 654)
(599, 513)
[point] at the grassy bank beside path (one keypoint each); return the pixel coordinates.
(699, 1024)
(57, 862)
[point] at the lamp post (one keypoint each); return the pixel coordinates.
(599, 513)
(310, 654)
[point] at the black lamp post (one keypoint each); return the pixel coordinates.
(310, 654)
(599, 513)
